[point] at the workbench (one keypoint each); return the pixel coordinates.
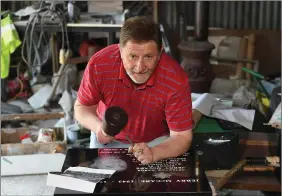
(259, 142)
(85, 24)
(256, 143)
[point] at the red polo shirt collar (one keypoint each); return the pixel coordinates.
(127, 81)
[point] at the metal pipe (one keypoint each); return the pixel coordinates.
(202, 20)
(183, 31)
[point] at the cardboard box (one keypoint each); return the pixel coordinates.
(31, 158)
(11, 143)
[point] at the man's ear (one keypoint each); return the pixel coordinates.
(120, 50)
(161, 51)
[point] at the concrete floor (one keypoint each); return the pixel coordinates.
(26, 185)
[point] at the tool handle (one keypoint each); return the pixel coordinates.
(220, 183)
(257, 75)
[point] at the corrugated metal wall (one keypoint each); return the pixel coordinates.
(245, 14)
(228, 14)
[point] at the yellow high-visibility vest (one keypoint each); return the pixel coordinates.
(9, 42)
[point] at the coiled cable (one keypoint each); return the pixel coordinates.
(32, 57)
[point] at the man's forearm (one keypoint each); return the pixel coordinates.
(174, 146)
(86, 116)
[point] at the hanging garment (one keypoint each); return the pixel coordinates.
(9, 42)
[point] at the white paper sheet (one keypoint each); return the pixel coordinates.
(31, 164)
(275, 120)
(66, 103)
(81, 179)
(210, 106)
(39, 99)
(221, 98)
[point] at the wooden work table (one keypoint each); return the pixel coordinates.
(264, 181)
(260, 180)
(261, 141)
(255, 180)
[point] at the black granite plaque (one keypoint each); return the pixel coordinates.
(174, 176)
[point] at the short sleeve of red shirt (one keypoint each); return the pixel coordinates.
(88, 93)
(178, 109)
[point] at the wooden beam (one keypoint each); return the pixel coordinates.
(32, 116)
(257, 143)
(235, 32)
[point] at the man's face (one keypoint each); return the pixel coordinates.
(139, 60)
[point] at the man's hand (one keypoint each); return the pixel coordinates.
(142, 152)
(102, 137)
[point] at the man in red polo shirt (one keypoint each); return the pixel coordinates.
(148, 84)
